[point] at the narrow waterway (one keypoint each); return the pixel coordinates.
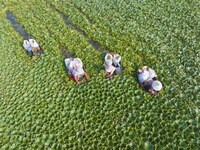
(17, 27)
(90, 41)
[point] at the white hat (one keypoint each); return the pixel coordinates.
(67, 62)
(157, 85)
(33, 43)
(108, 59)
(109, 68)
(78, 62)
(80, 70)
(143, 76)
(117, 58)
(27, 45)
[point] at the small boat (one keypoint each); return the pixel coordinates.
(32, 47)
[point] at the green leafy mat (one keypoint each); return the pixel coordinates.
(42, 108)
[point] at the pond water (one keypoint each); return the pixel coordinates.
(18, 28)
(90, 41)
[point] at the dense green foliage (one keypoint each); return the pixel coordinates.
(41, 108)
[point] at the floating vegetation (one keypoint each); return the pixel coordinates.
(42, 108)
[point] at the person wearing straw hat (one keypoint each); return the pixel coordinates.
(112, 64)
(75, 68)
(147, 78)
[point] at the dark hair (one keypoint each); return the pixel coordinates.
(154, 78)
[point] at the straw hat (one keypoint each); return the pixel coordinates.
(109, 68)
(157, 85)
(144, 67)
(143, 76)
